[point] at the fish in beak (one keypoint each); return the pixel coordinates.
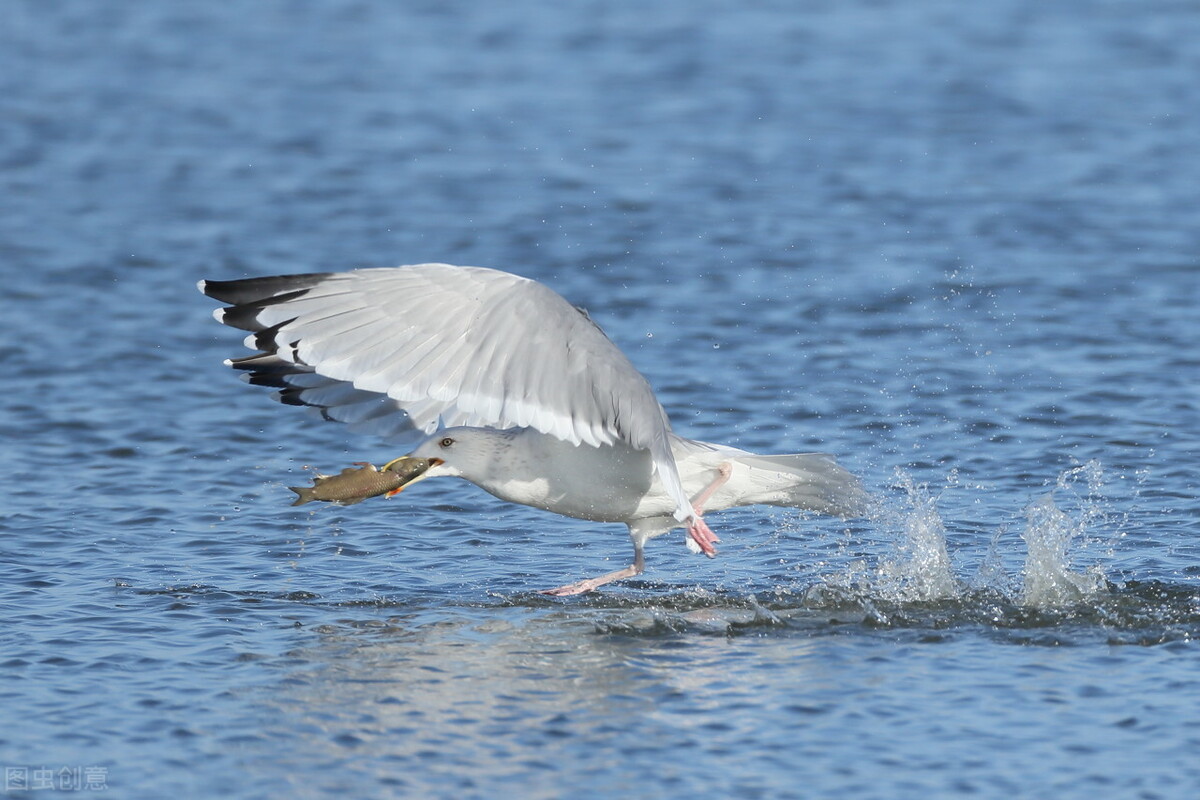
(352, 485)
(410, 469)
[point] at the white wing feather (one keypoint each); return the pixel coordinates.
(428, 344)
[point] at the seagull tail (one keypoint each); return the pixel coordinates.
(812, 481)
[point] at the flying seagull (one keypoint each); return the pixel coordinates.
(513, 389)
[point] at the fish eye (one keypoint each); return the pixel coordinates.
(446, 442)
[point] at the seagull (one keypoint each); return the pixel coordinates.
(511, 387)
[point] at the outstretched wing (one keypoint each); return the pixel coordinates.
(408, 348)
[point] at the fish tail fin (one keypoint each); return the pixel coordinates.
(304, 494)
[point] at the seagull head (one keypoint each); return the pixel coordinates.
(477, 454)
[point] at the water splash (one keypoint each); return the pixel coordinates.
(1048, 580)
(1051, 534)
(920, 570)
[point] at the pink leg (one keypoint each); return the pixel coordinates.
(579, 587)
(698, 529)
(703, 536)
(723, 473)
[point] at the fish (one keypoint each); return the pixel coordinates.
(355, 485)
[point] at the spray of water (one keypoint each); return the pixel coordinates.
(1050, 536)
(1049, 581)
(920, 569)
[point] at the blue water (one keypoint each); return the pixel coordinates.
(954, 244)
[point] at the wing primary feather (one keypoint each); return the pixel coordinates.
(458, 343)
(246, 316)
(254, 290)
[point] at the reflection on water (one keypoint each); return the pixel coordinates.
(448, 700)
(506, 699)
(469, 694)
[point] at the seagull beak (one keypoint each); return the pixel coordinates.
(418, 469)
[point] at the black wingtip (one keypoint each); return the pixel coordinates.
(260, 290)
(245, 316)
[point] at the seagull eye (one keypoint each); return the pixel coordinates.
(446, 442)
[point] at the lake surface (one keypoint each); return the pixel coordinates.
(953, 244)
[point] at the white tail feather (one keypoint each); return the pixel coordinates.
(812, 481)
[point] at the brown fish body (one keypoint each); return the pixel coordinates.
(353, 485)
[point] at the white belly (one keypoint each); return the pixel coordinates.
(616, 483)
(606, 484)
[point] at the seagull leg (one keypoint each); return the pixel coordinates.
(703, 536)
(705, 494)
(697, 528)
(579, 587)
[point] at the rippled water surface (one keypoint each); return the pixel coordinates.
(954, 244)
